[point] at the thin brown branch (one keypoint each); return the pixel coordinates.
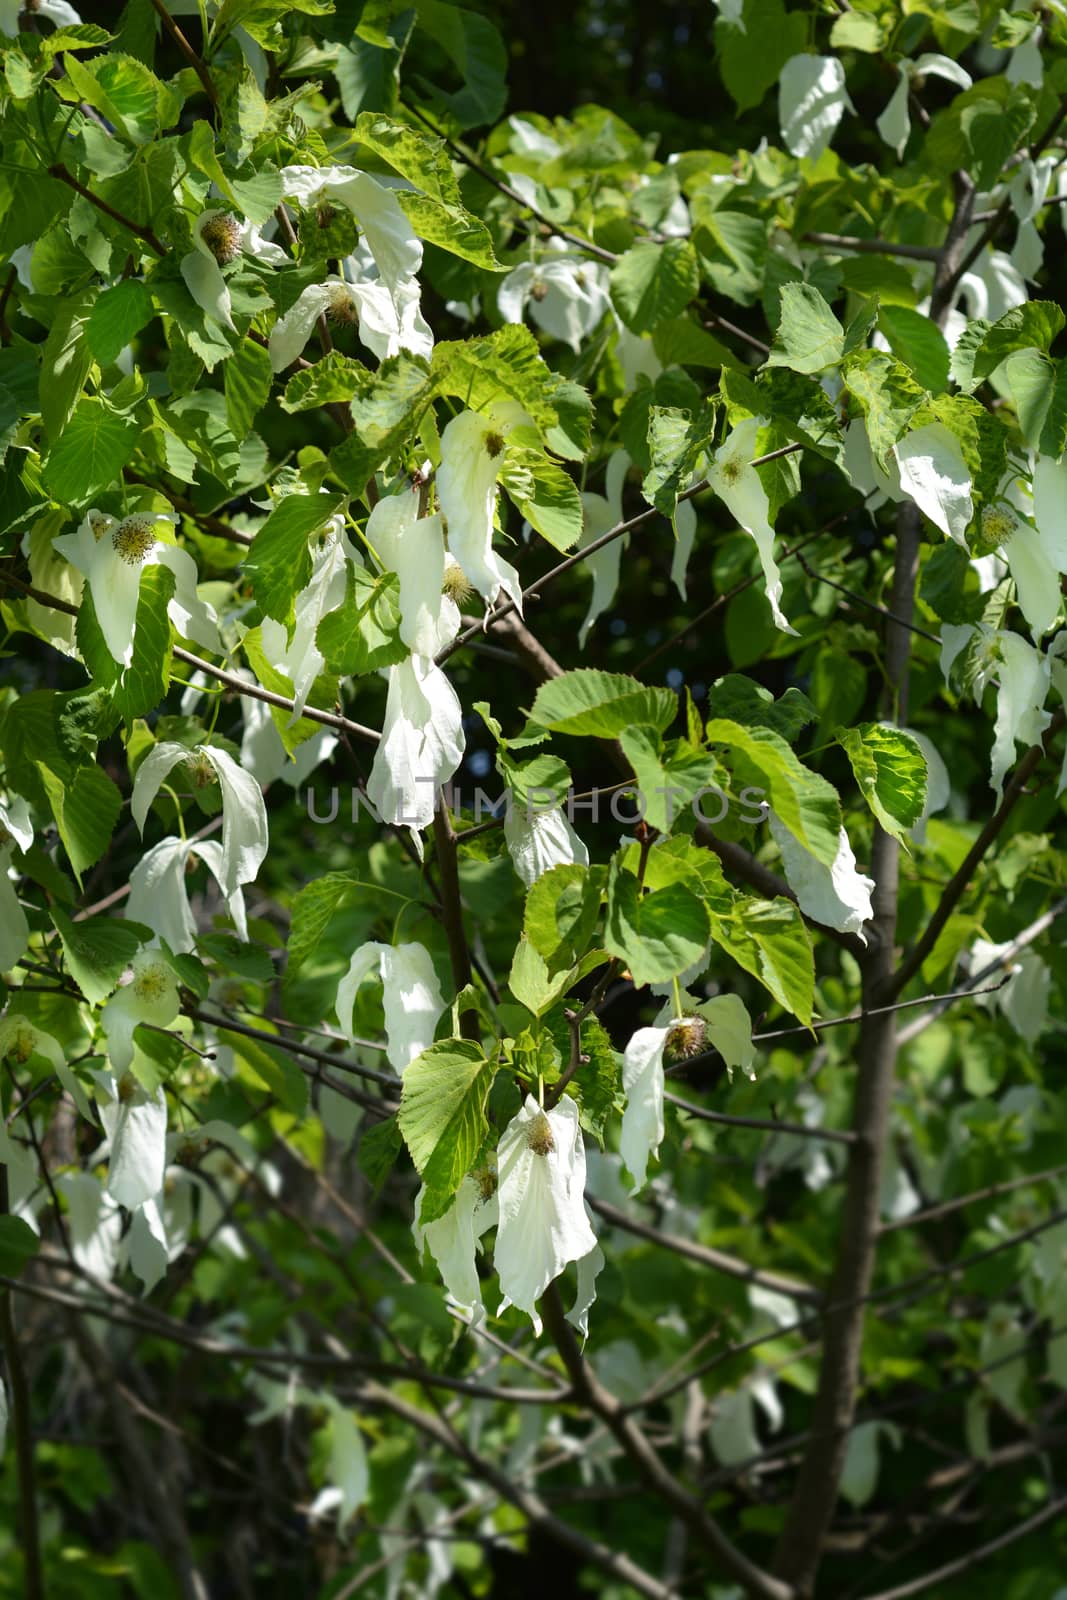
(763, 1124)
(993, 1191)
(973, 1558)
(877, 247)
(452, 915)
(64, 175)
(198, 66)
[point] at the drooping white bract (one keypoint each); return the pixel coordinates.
(934, 474)
(299, 657)
(244, 816)
(540, 837)
(866, 473)
(414, 548)
(264, 755)
(1023, 1000)
(136, 1126)
(565, 296)
(16, 833)
(722, 1023)
(737, 483)
(411, 996)
(151, 995)
(111, 555)
(472, 455)
(684, 522)
(812, 99)
(894, 124)
(836, 896)
(1023, 683)
(643, 1086)
(601, 513)
(389, 236)
(219, 238)
(541, 1196)
(421, 746)
(993, 286)
(387, 320)
(158, 896)
(452, 1240)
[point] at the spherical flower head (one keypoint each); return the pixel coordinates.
(686, 1038)
(152, 981)
(538, 289)
(222, 235)
(126, 1088)
(539, 1136)
(996, 526)
(341, 307)
(200, 771)
(20, 1040)
(455, 583)
(134, 538)
(100, 523)
(494, 443)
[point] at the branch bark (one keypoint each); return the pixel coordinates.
(22, 1428)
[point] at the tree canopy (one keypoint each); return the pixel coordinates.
(532, 757)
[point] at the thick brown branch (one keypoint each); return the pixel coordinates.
(452, 915)
(22, 1428)
(198, 66)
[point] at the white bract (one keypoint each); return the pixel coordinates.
(20, 1039)
(541, 1196)
(472, 455)
(150, 995)
(16, 833)
(414, 548)
(601, 513)
(737, 483)
(111, 555)
(564, 296)
(57, 11)
(386, 320)
(299, 657)
(389, 236)
(812, 99)
(421, 746)
(411, 996)
(836, 896)
(894, 124)
(1023, 1000)
(684, 523)
(158, 896)
(452, 1240)
(136, 1126)
(219, 238)
(244, 816)
(538, 838)
(934, 474)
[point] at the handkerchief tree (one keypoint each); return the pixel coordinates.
(531, 767)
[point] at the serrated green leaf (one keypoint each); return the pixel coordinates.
(890, 770)
(451, 228)
(333, 380)
(442, 1117)
(809, 337)
(801, 799)
(86, 810)
(600, 705)
(363, 634)
(118, 316)
(919, 343)
(279, 558)
(247, 379)
(652, 282)
(97, 950)
(657, 934)
(553, 506)
(90, 453)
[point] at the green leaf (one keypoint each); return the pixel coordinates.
(890, 769)
(561, 912)
(809, 337)
(652, 282)
(90, 453)
(475, 47)
(333, 380)
(743, 700)
(420, 157)
(313, 907)
(451, 228)
(385, 412)
(886, 393)
(279, 558)
(600, 705)
(1028, 327)
(676, 441)
(857, 30)
(749, 69)
(506, 365)
(442, 1117)
(768, 938)
(919, 343)
(323, 692)
(804, 802)
(117, 317)
(86, 811)
(277, 1071)
(123, 89)
(247, 379)
(530, 980)
(98, 950)
(545, 495)
(65, 363)
(18, 1244)
(363, 634)
(993, 130)
(659, 934)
